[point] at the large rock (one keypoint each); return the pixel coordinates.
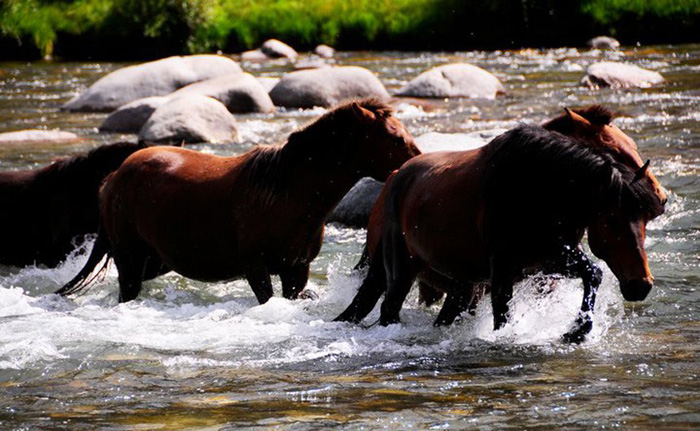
(454, 80)
(254, 55)
(326, 87)
(274, 48)
(37, 136)
(324, 51)
(129, 118)
(619, 75)
(355, 207)
(604, 42)
(191, 118)
(239, 92)
(155, 78)
(268, 82)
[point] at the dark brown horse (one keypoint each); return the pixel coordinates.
(218, 218)
(47, 210)
(452, 220)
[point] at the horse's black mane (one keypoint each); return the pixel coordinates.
(596, 114)
(559, 162)
(104, 157)
(269, 165)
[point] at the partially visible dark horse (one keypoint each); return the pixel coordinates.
(218, 218)
(452, 220)
(46, 211)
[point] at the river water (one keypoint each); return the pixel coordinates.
(204, 356)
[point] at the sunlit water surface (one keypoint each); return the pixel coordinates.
(192, 355)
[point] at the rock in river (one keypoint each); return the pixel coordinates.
(239, 92)
(454, 80)
(619, 75)
(274, 48)
(191, 118)
(129, 118)
(155, 78)
(37, 136)
(604, 42)
(326, 87)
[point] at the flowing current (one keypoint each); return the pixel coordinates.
(189, 355)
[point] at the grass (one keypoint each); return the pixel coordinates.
(123, 28)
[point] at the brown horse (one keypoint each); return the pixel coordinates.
(218, 218)
(47, 210)
(452, 220)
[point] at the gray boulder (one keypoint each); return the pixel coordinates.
(326, 87)
(190, 118)
(268, 82)
(324, 51)
(604, 42)
(239, 92)
(129, 118)
(254, 55)
(619, 75)
(454, 80)
(155, 78)
(38, 136)
(274, 48)
(354, 209)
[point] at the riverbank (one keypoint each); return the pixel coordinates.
(148, 29)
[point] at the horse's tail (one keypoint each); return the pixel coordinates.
(99, 250)
(371, 289)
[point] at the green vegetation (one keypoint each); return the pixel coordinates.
(130, 29)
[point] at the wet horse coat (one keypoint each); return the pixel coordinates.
(218, 218)
(451, 220)
(46, 211)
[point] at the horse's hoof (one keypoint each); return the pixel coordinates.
(578, 334)
(574, 337)
(307, 294)
(388, 321)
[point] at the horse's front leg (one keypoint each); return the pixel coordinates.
(577, 264)
(294, 280)
(259, 280)
(501, 290)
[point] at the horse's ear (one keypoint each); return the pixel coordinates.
(362, 113)
(642, 172)
(579, 121)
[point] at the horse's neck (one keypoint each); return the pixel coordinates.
(320, 182)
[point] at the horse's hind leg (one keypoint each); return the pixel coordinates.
(154, 267)
(455, 304)
(131, 268)
(400, 274)
(372, 288)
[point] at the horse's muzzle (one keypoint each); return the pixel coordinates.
(636, 290)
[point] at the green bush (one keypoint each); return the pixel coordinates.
(141, 28)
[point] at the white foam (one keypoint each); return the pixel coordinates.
(189, 325)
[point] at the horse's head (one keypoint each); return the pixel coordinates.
(618, 231)
(383, 144)
(593, 126)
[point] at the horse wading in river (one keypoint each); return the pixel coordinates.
(47, 211)
(216, 218)
(454, 219)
